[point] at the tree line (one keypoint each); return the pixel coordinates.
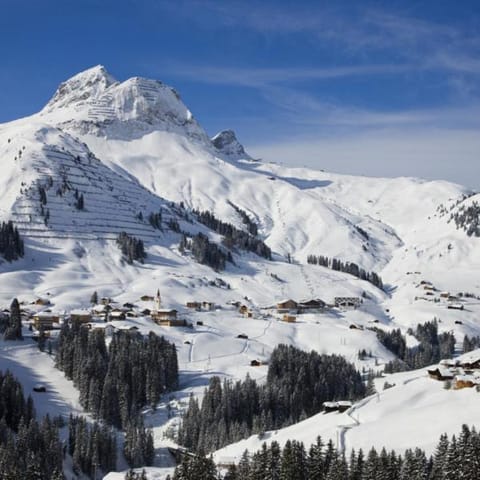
(467, 218)
(470, 343)
(346, 267)
(431, 349)
(11, 323)
(233, 237)
(131, 247)
(247, 221)
(205, 252)
(92, 447)
(11, 244)
(29, 449)
(116, 382)
(457, 457)
(297, 384)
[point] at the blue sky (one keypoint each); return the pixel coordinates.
(376, 88)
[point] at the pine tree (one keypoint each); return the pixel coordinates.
(94, 298)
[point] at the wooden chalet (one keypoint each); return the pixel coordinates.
(42, 301)
(289, 318)
(465, 381)
(147, 298)
(286, 306)
(194, 305)
(456, 306)
(340, 406)
(344, 405)
(209, 306)
(441, 373)
(117, 314)
(243, 309)
(311, 305)
(347, 302)
(255, 363)
(471, 361)
(168, 318)
(45, 320)
(80, 316)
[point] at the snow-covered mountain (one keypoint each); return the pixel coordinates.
(132, 148)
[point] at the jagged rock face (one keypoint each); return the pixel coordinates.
(226, 143)
(94, 102)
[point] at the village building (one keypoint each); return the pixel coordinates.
(289, 318)
(209, 306)
(311, 306)
(117, 314)
(168, 318)
(465, 381)
(194, 305)
(100, 309)
(347, 302)
(344, 405)
(80, 316)
(471, 361)
(45, 320)
(108, 328)
(340, 406)
(243, 309)
(147, 298)
(456, 306)
(441, 373)
(42, 301)
(286, 306)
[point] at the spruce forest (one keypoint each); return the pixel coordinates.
(297, 385)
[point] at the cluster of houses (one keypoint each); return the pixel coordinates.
(431, 293)
(463, 372)
(290, 308)
(107, 310)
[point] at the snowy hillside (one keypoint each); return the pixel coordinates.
(103, 155)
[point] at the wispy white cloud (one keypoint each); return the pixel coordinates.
(360, 32)
(266, 77)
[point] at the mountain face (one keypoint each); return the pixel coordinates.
(94, 102)
(140, 133)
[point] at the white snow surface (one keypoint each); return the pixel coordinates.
(133, 147)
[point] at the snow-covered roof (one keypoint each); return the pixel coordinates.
(46, 314)
(80, 312)
(469, 357)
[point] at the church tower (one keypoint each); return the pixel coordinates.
(158, 301)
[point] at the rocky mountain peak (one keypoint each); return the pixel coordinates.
(82, 87)
(226, 142)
